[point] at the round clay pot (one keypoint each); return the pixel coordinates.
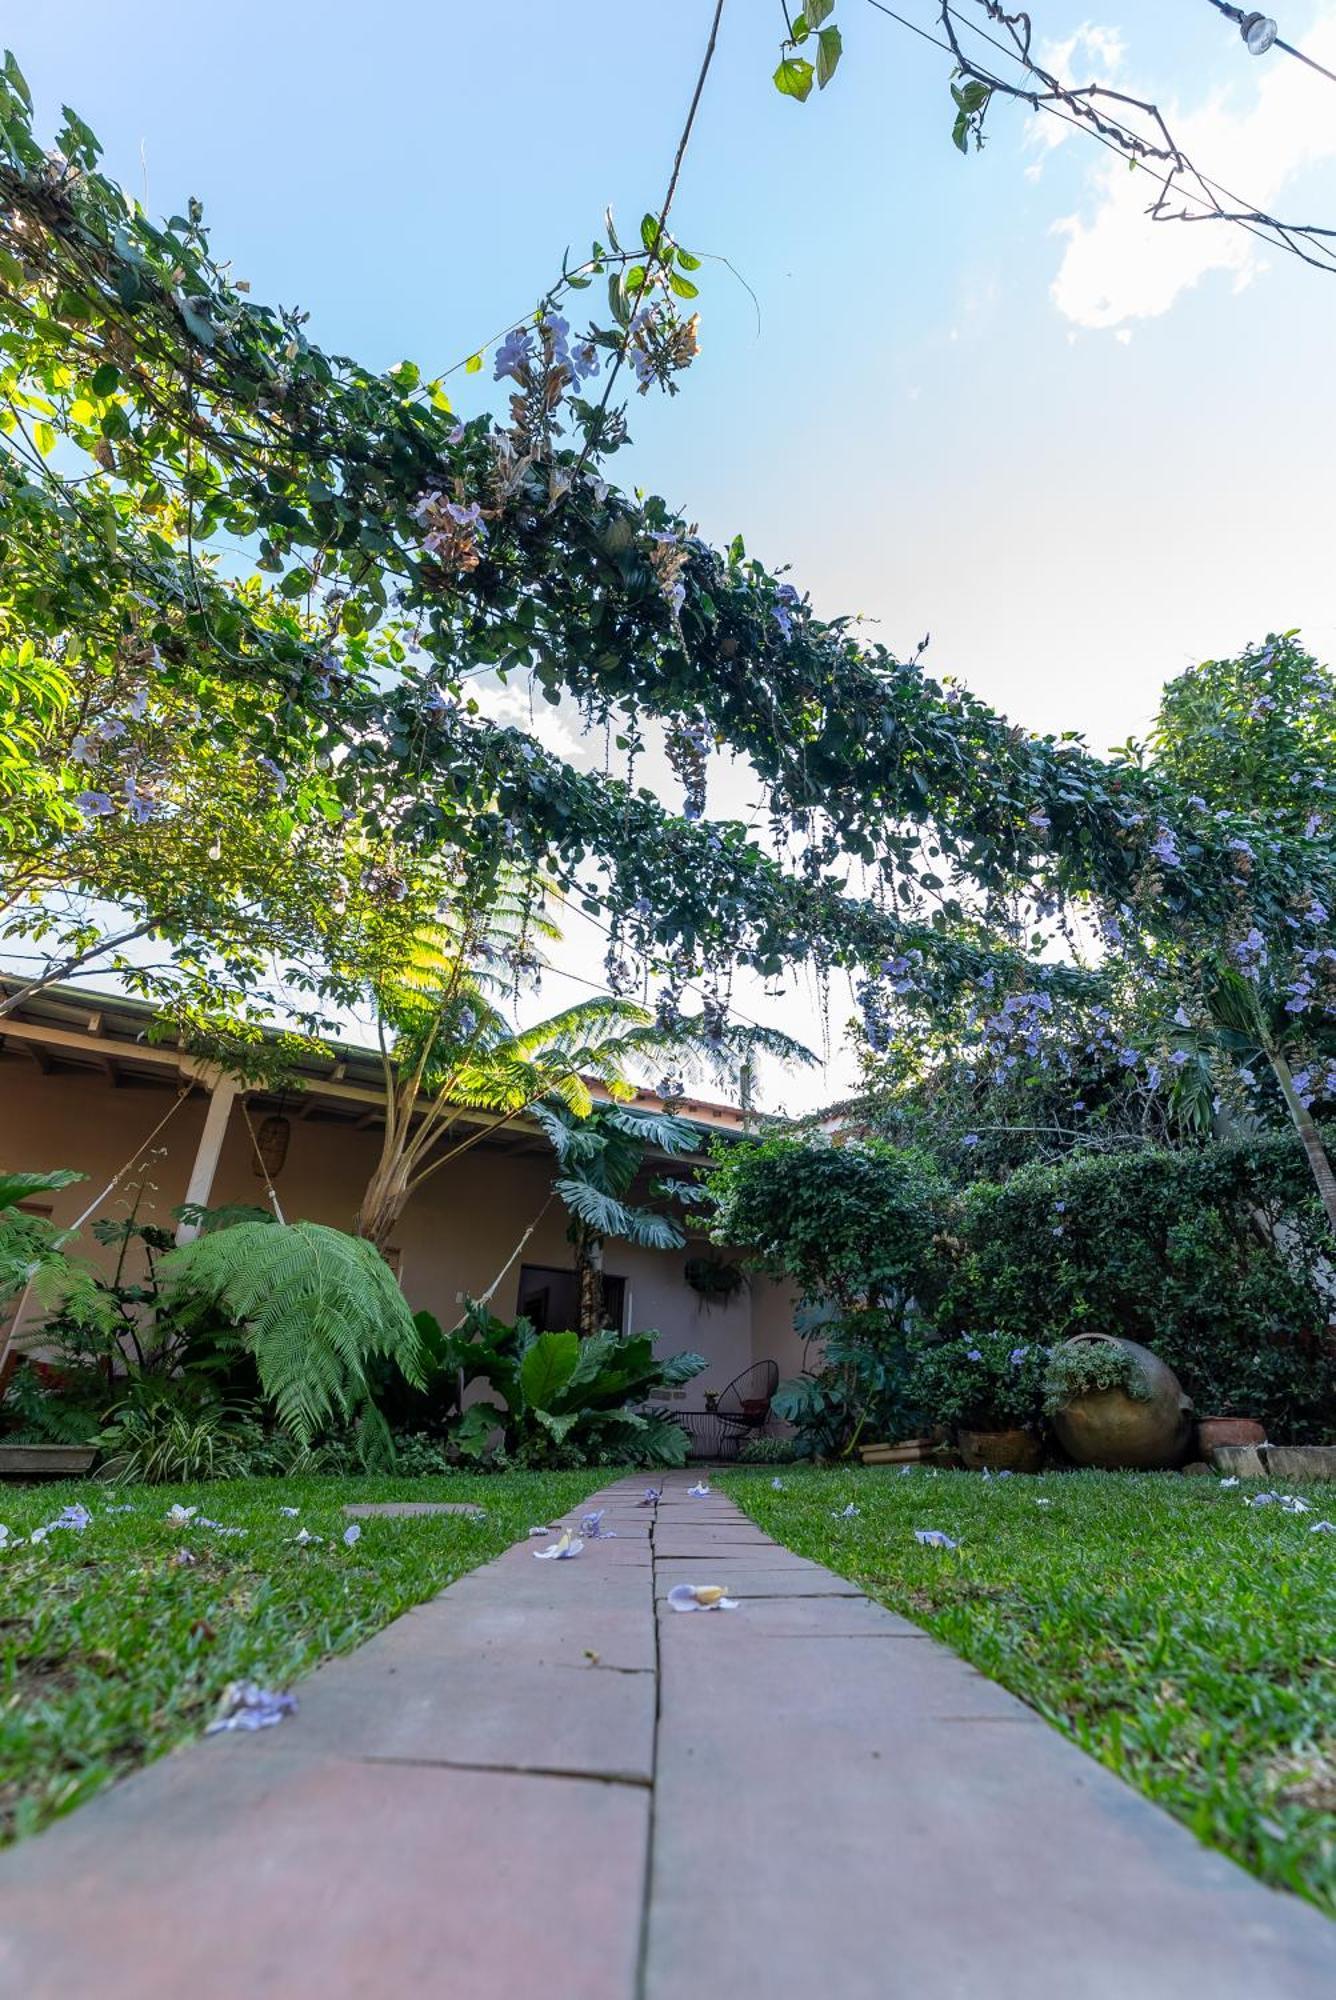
(1000, 1451)
(1118, 1432)
(1212, 1431)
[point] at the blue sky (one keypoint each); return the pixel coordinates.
(973, 397)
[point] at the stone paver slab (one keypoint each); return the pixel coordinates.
(286, 1876)
(755, 1580)
(405, 1704)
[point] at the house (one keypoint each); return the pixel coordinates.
(82, 1086)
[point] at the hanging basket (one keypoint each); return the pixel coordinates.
(271, 1146)
(714, 1281)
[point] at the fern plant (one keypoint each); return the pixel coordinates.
(315, 1308)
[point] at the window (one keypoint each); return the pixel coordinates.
(551, 1299)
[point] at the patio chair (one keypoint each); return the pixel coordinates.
(745, 1403)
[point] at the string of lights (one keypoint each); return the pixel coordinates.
(1260, 34)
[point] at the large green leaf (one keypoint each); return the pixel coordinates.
(16, 1188)
(547, 1368)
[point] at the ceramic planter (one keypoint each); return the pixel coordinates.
(1118, 1432)
(1001, 1451)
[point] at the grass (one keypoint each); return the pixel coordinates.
(111, 1652)
(1184, 1639)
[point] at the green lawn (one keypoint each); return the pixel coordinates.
(1186, 1640)
(110, 1651)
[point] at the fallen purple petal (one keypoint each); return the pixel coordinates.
(933, 1538)
(699, 1490)
(246, 1705)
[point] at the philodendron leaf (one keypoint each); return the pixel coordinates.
(547, 1367)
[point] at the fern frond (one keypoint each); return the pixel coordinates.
(315, 1306)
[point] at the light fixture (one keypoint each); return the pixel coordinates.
(1259, 31)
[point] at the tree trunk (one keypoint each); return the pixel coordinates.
(382, 1204)
(589, 1268)
(1312, 1139)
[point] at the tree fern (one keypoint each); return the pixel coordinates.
(315, 1306)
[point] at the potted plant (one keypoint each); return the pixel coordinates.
(987, 1388)
(1114, 1404)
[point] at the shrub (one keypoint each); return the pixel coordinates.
(564, 1401)
(165, 1441)
(1209, 1256)
(854, 1224)
(767, 1451)
(979, 1382)
(859, 1392)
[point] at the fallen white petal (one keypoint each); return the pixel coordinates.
(933, 1538)
(539, 1531)
(1230, 1482)
(1323, 1528)
(699, 1491)
(291, 1512)
(700, 1597)
(561, 1551)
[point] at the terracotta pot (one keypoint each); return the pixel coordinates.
(1001, 1451)
(1212, 1431)
(1118, 1432)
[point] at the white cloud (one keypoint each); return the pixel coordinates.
(557, 728)
(1256, 138)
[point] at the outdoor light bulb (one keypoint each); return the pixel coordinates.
(1259, 31)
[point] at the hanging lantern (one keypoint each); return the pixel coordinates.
(271, 1146)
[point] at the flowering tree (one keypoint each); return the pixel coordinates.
(417, 549)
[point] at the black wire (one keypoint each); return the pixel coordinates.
(1263, 232)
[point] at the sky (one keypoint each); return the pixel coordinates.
(983, 398)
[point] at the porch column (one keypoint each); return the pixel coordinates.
(223, 1091)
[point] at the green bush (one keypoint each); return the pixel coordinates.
(979, 1382)
(1209, 1256)
(767, 1451)
(564, 1401)
(854, 1224)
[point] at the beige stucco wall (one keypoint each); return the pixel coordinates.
(455, 1235)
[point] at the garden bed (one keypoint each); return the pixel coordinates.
(1178, 1634)
(112, 1650)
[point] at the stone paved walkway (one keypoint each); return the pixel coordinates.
(544, 1783)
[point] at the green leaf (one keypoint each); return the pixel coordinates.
(818, 11)
(473, 364)
(649, 232)
(548, 1367)
(15, 1188)
(683, 287)
(830, 47)
(793, 78)
(802, 27)
(105, 379)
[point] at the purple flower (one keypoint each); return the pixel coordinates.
(592, 1526)
(933, 1538)
(973, 1355)
(970, 1139)
(94, 805)
(1018, 1355)
(1165, 848)
(246, 1705)
(141, 806)
(351, 1534)
(513, 355)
